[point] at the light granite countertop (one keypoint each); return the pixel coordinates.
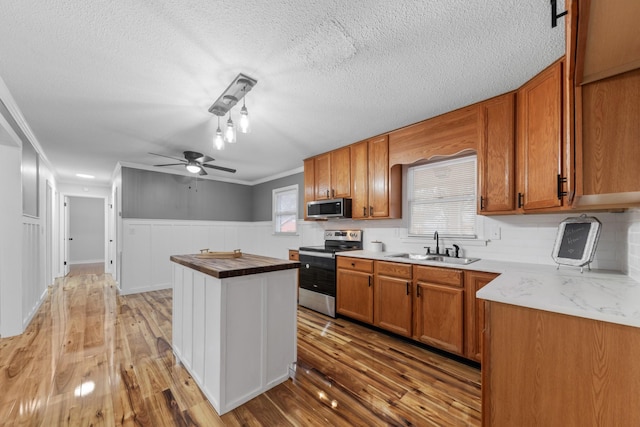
(604, 295)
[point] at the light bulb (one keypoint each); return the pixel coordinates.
(230, 132)
(193, 168)
(218, 141)
(245, 125)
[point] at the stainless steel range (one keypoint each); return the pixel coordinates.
(318, 269)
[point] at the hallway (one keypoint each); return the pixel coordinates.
(91, 357)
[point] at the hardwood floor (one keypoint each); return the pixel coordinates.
(91, 357)
(81, 269)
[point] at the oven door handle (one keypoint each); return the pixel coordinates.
(317, 254)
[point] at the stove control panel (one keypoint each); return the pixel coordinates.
(343, 235)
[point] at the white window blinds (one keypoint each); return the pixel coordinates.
(442, 198)
(285, 209)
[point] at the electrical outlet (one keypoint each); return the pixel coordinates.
(495, 233)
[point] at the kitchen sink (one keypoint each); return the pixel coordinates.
(436, 258)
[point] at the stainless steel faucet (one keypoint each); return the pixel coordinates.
(435, 236)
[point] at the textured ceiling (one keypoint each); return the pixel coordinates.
(103, 81)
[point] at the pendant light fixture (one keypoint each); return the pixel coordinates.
(218, 141)
(230, 132)
(225, 102)
(245, 125)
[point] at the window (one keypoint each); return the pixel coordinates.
(442, 198)
(285, 210)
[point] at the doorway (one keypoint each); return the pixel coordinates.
(84, 235)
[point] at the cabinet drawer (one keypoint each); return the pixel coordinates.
(394, 269)
(293, 255)
(443, 276)
(358, 264)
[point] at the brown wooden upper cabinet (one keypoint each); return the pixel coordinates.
(496, 155)
(605, 42)
(332, 174)
(544, 166)
(608, 38)
(375, 189)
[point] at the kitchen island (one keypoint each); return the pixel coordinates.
(234, 324)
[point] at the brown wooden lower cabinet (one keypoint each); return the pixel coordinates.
(548, 369)
(393, 298)
(439, 307)
(433, 305)
(474, 312)
(354, 288)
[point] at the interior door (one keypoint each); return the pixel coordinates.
(66, 237)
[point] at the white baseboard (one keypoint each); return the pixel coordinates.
(34, 309)
(88, 261)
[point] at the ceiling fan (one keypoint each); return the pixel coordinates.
(194, 162)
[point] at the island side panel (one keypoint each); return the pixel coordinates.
(176, 330)
(199, 325)
(281, 324)
(214, 326)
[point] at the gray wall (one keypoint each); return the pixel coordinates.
(262, 196)
(157, 195)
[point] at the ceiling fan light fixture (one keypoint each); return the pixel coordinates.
(193, 167)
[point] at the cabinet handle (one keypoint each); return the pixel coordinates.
(353, 264)
(407, 288)
(520, 200)
(327, 193)
(369, 281)
(481, 203)
(370, 210)
(561, 182)
(364, 211)
(333, 193)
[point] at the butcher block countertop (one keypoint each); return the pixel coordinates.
(223, 268)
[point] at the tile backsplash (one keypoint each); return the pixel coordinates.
(520, 238)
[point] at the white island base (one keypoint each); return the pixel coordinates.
(236, 336)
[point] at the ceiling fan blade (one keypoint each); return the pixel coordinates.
(171, 164)
(168, 157)
(220, 168)
(202, 172)
(204, 159)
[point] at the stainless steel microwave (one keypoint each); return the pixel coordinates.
(333, 208)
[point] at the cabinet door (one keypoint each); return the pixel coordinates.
(360, 180)
(439, 316)
(496, 156)
(341, 173)
(392, 306)
(322, 174)
(540, 139)
(379, 177)
(474, 313)
(355, 295)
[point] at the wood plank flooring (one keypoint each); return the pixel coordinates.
(93, 358)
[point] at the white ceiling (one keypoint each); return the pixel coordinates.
(104, 81)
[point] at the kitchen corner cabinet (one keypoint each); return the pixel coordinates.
(354, 288)
(496, 155)
(376, 190)
(549, 369)
(392, 306)
(439, 307)
(474, 312)
(332, 174)
(543, 168)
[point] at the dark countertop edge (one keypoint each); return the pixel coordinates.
(235, 272)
